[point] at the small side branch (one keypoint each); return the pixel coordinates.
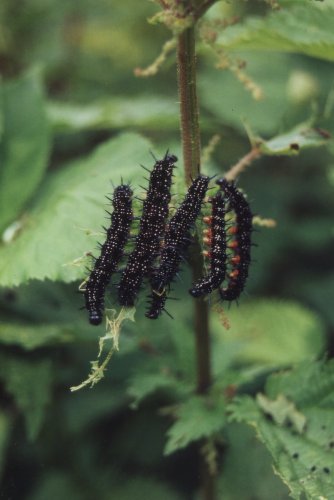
(242, 164)
(153, 68)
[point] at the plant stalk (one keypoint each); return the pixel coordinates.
(190, 136)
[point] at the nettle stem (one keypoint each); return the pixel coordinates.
(190, 135)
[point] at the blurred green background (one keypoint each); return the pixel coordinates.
(73, 117)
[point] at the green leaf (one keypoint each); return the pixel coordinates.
(282, 411)
(30, 337)
(144, 384)
(144, 111)
(61, 303)
(300, 29)
(197, 418)
(236, 104)
(303, 457)
(308, 384)
(29, 382)
(290, 143)
(67, 216)
(28, 325)
(270, 333)
(24, 144)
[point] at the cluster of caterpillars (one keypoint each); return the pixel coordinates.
(162, 243)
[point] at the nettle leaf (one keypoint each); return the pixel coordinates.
(268, 332)
(282, 411)
(308, 384)
(30, 337)
(67, 216)
(145, 384)
(236, 105)
(302, 441)
(300, 29)
(24, 143)
(197, 418)
(29, 382)
(60, 304)
(28, 325)
(143, 111)
(292, 142)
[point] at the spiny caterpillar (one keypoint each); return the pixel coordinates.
(177, 239)
(166, 242)
(111, 253)
(151, 230)
(215, 236)
(240, 243)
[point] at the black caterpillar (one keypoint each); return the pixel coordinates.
(177, 239)
(241, 243)
(216, 238)
(151, 230)
(111, 253)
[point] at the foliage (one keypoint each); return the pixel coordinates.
(74, 121)
(197, 418)
(294, 422)
(75, 189)
(285, 31)
(25, 144)
(29, 383)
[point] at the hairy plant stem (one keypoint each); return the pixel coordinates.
(190, 135)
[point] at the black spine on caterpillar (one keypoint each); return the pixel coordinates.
(242, 242)
(151, 229)
(111, 253)
(217, 250)
(177, 240)
(157, 303)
